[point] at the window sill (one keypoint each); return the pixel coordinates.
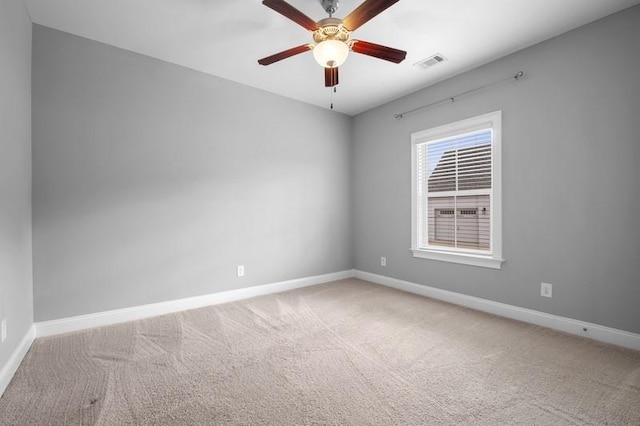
(462, 258)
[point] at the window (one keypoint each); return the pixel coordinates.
(456, 204)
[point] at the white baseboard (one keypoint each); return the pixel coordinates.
(567, 325)
(10, 368)
(66, 325)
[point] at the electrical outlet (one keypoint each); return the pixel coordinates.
(383, 261)
(240, 270)
(546, 290)
(4, 329)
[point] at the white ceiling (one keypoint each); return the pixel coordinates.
(225, 38)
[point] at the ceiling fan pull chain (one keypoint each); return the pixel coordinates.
(332, 91)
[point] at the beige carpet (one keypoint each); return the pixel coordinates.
(347, 352)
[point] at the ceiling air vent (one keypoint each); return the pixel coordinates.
(430, 61)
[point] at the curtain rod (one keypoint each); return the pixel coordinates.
(516, 77)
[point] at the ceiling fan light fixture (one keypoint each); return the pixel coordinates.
(331, 53)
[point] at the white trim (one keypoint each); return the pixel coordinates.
(568, 325)
(10, 368)
(66, 325)
(464, 258)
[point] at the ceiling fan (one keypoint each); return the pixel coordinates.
(331, 36)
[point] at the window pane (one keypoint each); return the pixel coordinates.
(441, 167)
(474, 167)
(462, 222)
(460, 163)
(441, 226)
(472, 222)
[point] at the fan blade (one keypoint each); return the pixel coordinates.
(378, 51)
(285, 54)
(331, 77)
(366, 11)
(288, 11)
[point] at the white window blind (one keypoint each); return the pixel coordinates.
(458, 182)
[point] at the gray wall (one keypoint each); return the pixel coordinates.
(153, 181)
(15, 174)
(571, 177)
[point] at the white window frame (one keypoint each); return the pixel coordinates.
(488, 259)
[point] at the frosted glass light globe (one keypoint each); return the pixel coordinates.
(331, 53)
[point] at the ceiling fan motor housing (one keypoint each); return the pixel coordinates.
(330, 6)
(331, 29)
